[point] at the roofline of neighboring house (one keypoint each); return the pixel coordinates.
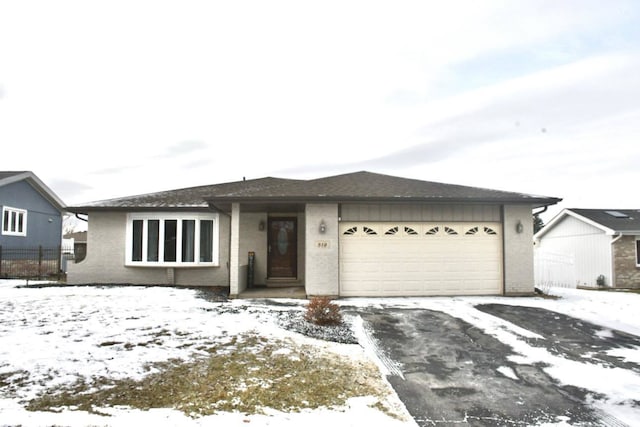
(43, 188)
(568, 212)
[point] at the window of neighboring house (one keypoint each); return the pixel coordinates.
(638, 251)
(14, 221)
(172, 239)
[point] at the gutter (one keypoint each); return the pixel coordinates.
(618, 237)
(544, 209)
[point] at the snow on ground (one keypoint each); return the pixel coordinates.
(61, 334)
(615, 310)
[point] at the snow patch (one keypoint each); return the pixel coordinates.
(508, 372)
(604, 334)
(628, 354)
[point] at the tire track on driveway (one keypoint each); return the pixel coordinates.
(453, 373)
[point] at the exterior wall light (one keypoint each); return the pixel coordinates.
(261, 225)
(519, 227)
(323, 227)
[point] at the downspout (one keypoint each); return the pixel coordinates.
(544, 209)
(81, 219)
(613, 259)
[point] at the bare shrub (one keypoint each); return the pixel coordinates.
(321, 311)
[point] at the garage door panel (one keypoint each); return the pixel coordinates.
(420, 259)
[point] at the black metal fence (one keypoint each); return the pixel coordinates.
(33, 263)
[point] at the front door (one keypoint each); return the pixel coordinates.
(282, 260)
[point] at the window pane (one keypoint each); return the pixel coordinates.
(13, 221)
(137, 240)
(188, 240)
(5, 222)
(638, 252)
(153, 237)
(170, 236)
(20, 222)
(206, 241)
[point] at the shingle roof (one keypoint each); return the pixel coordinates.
(8, 174)
(617, 223)
(9, 177)
(357, 186)
(192, 197)
(364, 185)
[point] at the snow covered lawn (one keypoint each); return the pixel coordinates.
(87, 338)
(52, 338)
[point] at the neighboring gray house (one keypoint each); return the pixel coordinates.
(579, 245)
(358, 234)
(31, 212)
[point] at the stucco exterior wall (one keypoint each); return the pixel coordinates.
(321, 250)
(518, 250)
(252, 239)
(105, 260)
(626, 272)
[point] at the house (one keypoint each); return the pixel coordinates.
(589, 247)
(31, 212)
(357, 234)
(31, 227)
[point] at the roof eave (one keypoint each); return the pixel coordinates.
(568, 212)
(535, 202)
(88, 209)
(39, 186)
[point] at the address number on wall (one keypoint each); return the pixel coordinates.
(322, 244)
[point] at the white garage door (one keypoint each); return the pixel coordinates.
(412, 259)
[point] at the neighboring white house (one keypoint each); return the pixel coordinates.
(589, 247)
(358, 234)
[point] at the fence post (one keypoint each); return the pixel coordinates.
(39, 261)
(59, 262)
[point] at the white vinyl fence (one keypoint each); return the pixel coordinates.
(554, 270)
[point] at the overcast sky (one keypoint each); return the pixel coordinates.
(110, 99)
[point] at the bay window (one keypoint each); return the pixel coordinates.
(168, 239)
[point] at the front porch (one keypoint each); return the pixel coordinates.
(280, 250)
(260, 292)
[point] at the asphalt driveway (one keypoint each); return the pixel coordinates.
(452, 373)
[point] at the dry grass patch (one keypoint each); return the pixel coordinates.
(247, 374)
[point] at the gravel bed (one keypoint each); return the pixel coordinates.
(294, 321)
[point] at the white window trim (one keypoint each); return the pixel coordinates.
(22, 212)
(161, 216)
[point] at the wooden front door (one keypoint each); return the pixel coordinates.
(282, 260)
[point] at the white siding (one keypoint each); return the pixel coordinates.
(419, 213)
(572, 240)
